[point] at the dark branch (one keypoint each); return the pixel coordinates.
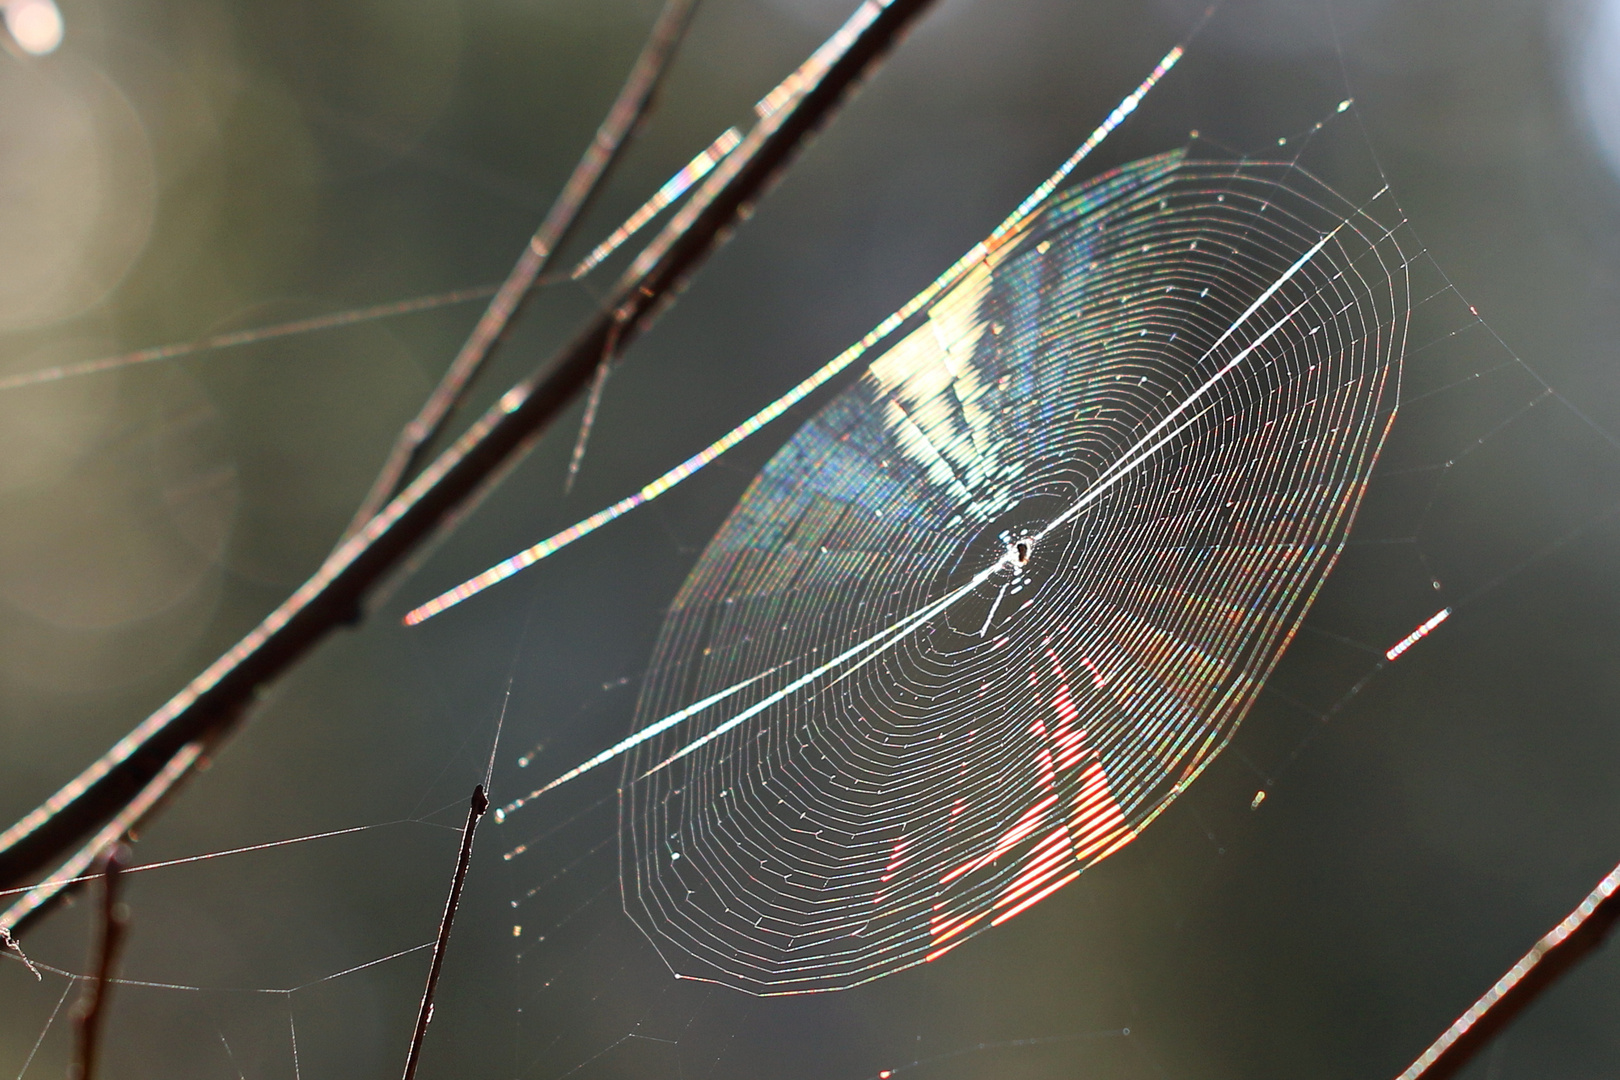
(214, 701)
(1560, 949)
(480, 803)
(628, 110)
(44, 896)
(92, 1008)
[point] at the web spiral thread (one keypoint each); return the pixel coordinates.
(1016, 587)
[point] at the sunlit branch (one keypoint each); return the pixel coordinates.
(1008, 229)
(627, 112)
(73, 872)
(217, 698)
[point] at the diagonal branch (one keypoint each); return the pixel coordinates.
(632, 105)
(216, 700)
(71, 873)
(475, 811)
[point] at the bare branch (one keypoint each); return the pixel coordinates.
(92, 1007)
(480, 803)
(72, 873)
(632, 105)
(216, 700)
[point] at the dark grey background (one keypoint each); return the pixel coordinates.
(256, 162)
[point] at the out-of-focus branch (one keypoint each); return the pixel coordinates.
(216, 700)
(627, 112)
(91, 1010)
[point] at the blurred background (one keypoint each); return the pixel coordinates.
(171, 169)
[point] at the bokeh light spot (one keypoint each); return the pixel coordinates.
(35, 25)
(1597, 79)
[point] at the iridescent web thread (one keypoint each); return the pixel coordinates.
(867, 733)
(1003, 234)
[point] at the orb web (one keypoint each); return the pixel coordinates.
(987, 613)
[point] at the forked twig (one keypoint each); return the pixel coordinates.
(1560, 949)
(89, 1013)
(632, 104)
(479, 804)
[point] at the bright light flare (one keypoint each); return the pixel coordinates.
(35, 25)
(1395, 650)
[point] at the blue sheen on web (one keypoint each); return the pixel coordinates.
(996, 605)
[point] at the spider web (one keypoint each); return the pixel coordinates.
(548, 978)
(1053, 541)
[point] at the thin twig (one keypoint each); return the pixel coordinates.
(89, 1013)
(1560, 949)
(217, 699)
(604, 368)
(480, 803)
(632, 104)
